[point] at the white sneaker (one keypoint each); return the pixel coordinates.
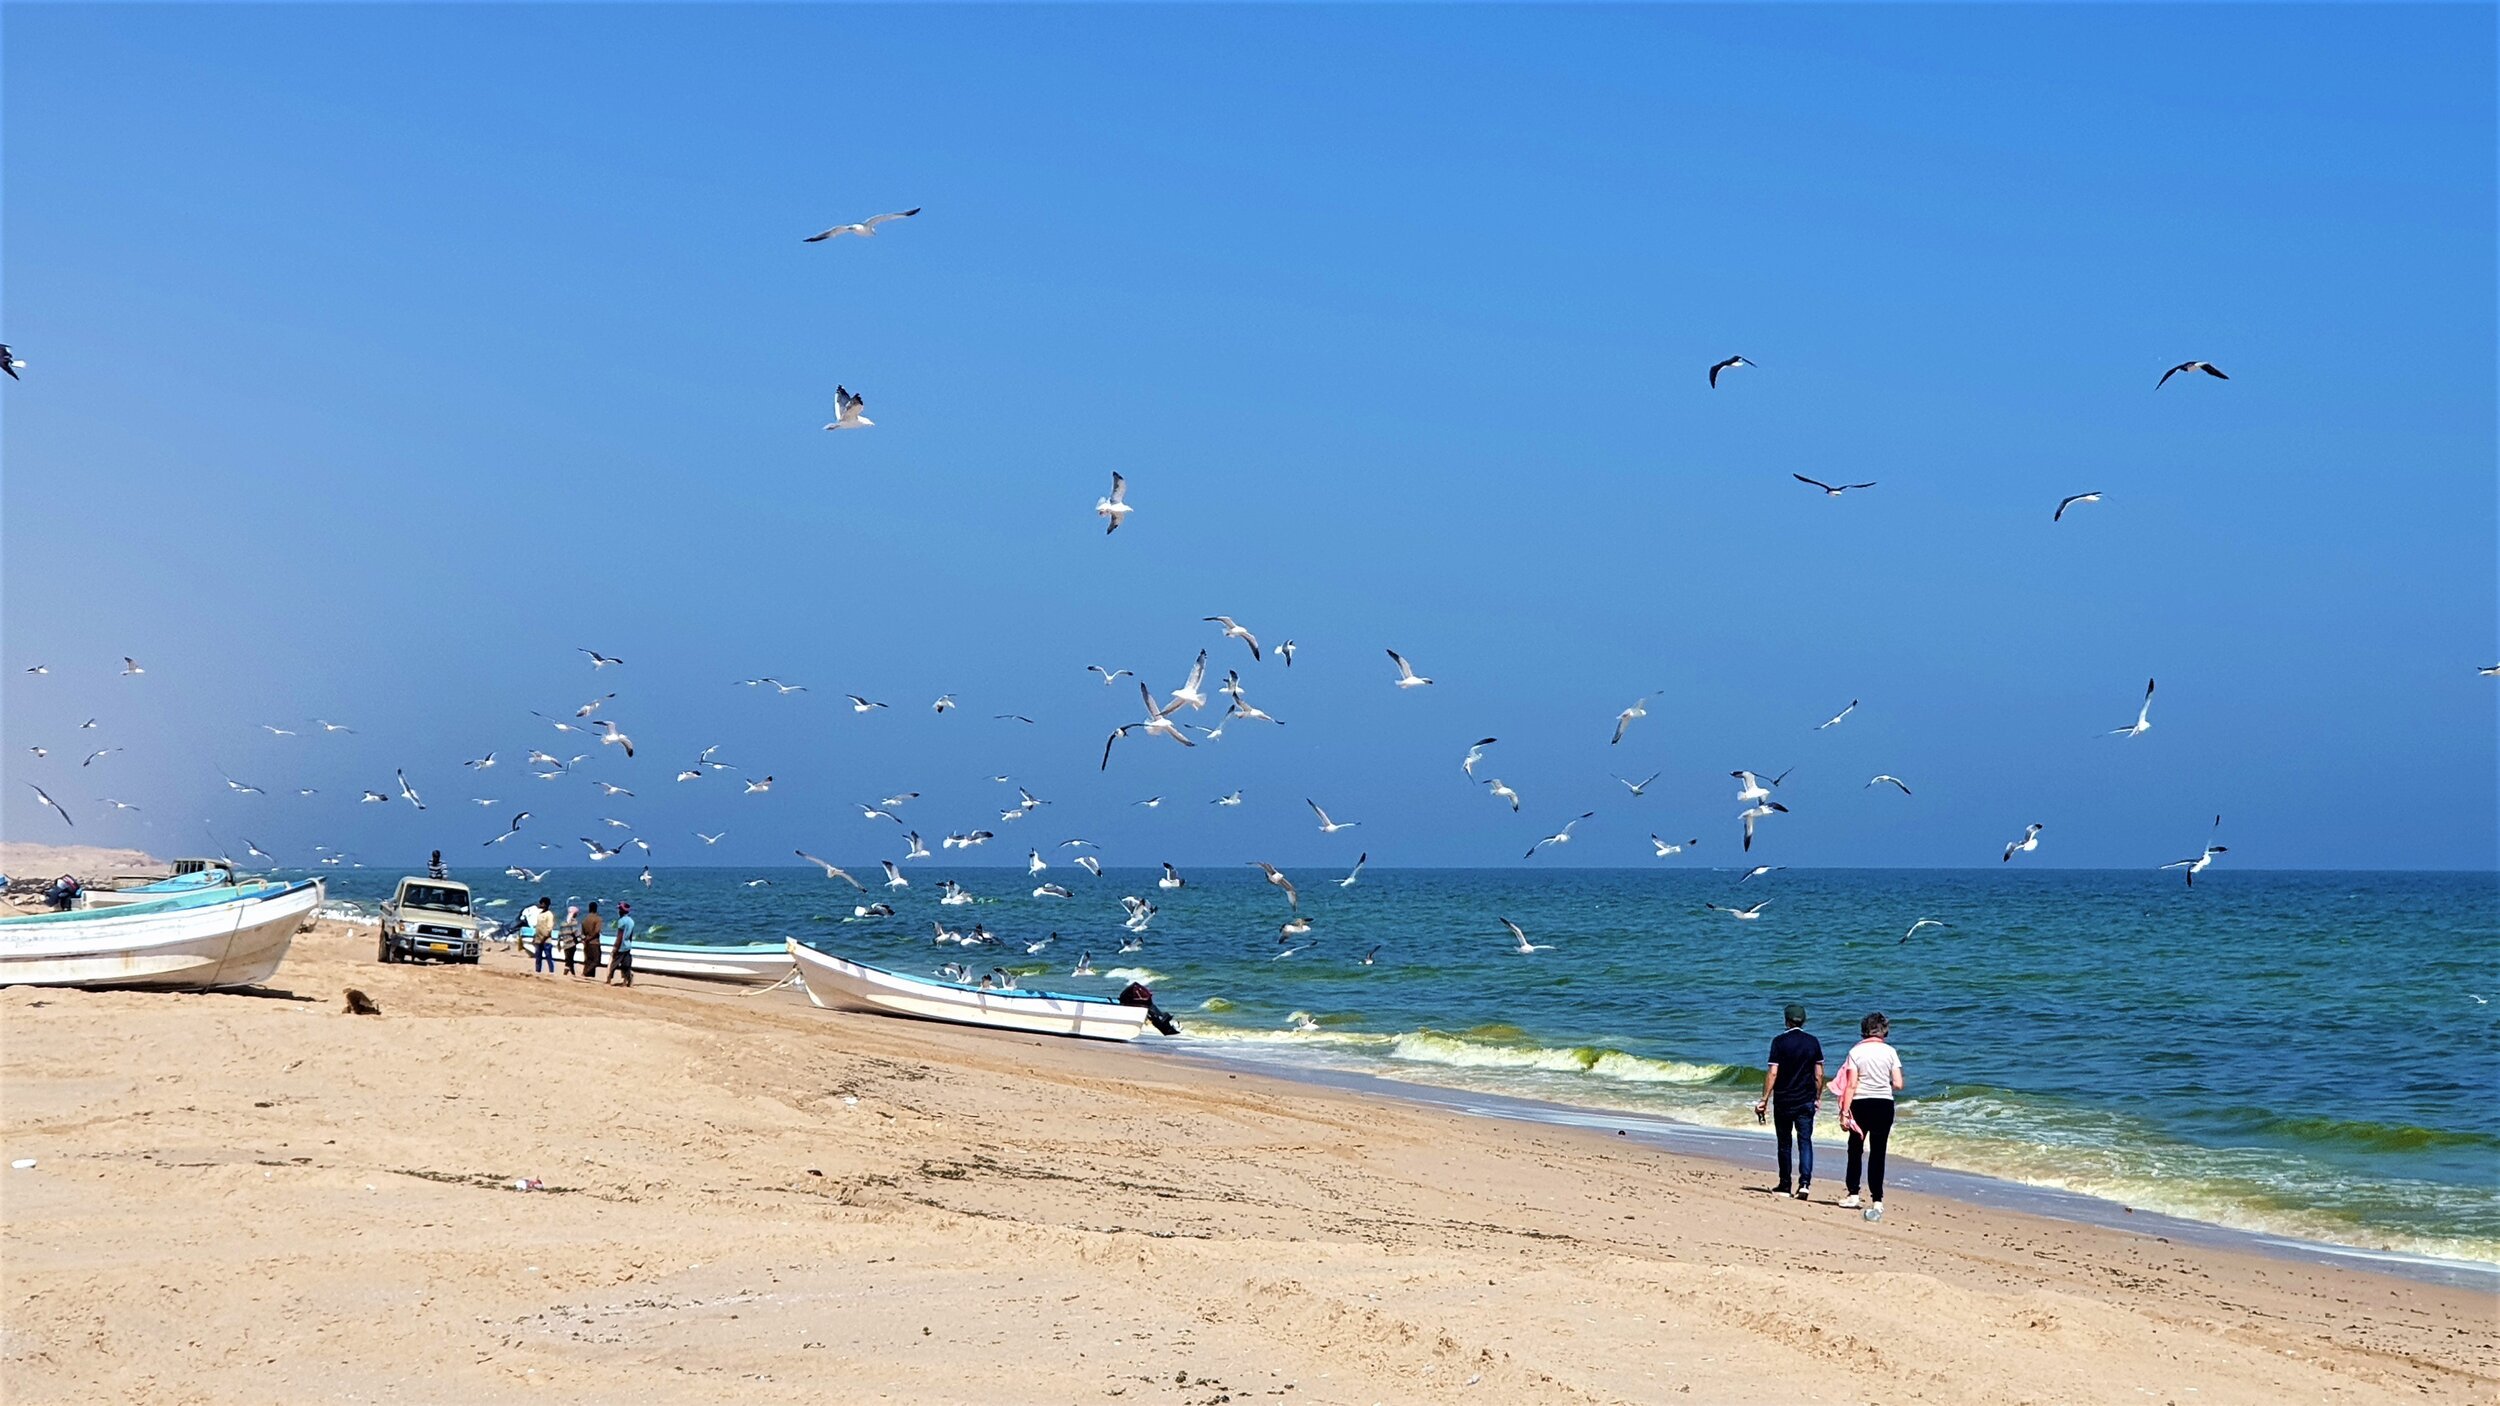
(1850, 1201)
(1875, 1210)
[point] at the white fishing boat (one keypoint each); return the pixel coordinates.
(836, 984)
(221, 936)
(189, 876)
(753, 961)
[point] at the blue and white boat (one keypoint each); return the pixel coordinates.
(204, 936)
(834, 983)
(752, 961)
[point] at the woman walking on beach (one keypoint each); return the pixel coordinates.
(1869, 1077)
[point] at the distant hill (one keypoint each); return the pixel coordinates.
(31, 861)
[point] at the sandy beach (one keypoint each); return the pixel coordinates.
(257, 1197)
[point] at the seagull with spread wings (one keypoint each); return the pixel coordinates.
(832, 871)
(2143, 718)
(850, 412)
(2205, 366)
(865, 229)
(1831, 490)
(1559, 837)
(2070, 500)
(1407, 677)
(1116, 507)
(1728, 365)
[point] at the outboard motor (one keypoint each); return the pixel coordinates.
(1139, 994)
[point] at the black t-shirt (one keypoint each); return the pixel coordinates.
(1796, 1053)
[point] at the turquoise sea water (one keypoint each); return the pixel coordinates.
(2295, 1053)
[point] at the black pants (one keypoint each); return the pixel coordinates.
(1874, 1117)
(1795, 1125)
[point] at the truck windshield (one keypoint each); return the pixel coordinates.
(441, 900)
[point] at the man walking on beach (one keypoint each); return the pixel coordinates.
(592, 923)
(621, 951)
(1792, 1089)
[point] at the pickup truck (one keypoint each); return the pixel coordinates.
(429, 920)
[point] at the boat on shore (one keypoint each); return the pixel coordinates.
(189, 876)
(834, 983)
(211, 935)
(752, 961)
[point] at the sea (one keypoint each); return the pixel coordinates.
(2305, 1055)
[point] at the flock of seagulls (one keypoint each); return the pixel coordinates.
(1169, 718)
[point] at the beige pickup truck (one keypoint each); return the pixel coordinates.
(429, 920)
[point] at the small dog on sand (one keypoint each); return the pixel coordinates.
(358, 1003)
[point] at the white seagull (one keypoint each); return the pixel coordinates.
(759, 787)
(1276, 876)
(1743, 914)
(1115, 508)
(130, 666)
(1830, 490)
(2143, 717)
(1502, 792)
(406, 791)
(849, 411)
(1109, 676)
(1475, 754)
(1836, 717)
(1519, 939)
(865, 229)
(1356, 872)
(2205, 366)
(610, 736)
(832, 871)
(1407, 677)
(1763, 811)
(2070, 500)
(1326, 825)
(1755, 788)
(2029, 842)
(1623, 720)
(1171, 878)
(1234, 631)
(1559, 837)
(46, 798)
(1641, 787)
(1664, 849)
(1922, 923)
(598, 660)
(1728, 365)
(1888, 779)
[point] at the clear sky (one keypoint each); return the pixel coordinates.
(380, 356)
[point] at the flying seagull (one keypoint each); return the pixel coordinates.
(1407, 677)
(131, 666)
(242, 790)
(1755, 788)
(327, 726)
(850, 412)
(832, 871)
(2143, 717)
(1830, 490)
(1623, 720)
(865, 229)
(1559, 837)
(91, 756)
(508, 834)
(2070, 500)
(2205, 366)
(1109, 676)
(1504, 793)
(2029, 842)
(1744, 914)
(598, 660)
(1641, 787)
(1475, 754)
(1763, 811)
(1836, 717)
(275, 731)
(2199, 864)
(1285, 652)
(599, 851)
(370, 798)
(757, 788)
(609, 736)
(406, 791)
(1519, 938)
(1234, 631)
(1326, 825)
(1276, 876)
(1921, 923)
(117, 805)
(1115, 507)
(1728, 365)
(9, 361)
(862, 705)
(46, 797)
(1356, 872)
(1664, 849)
(1889, 779)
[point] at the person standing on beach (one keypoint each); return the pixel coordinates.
(592, 923)
(621, 947)
(1792, 1089)
(1871, 1075)
(572, 935)
(543, 935)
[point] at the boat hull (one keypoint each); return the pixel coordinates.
(758, 962)
(835, 984)
(179, 943)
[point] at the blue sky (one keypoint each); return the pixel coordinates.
(379, 356)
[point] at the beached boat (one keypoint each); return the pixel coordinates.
(189, 876)
(836, 984)
(753, 961)
(210, 936)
